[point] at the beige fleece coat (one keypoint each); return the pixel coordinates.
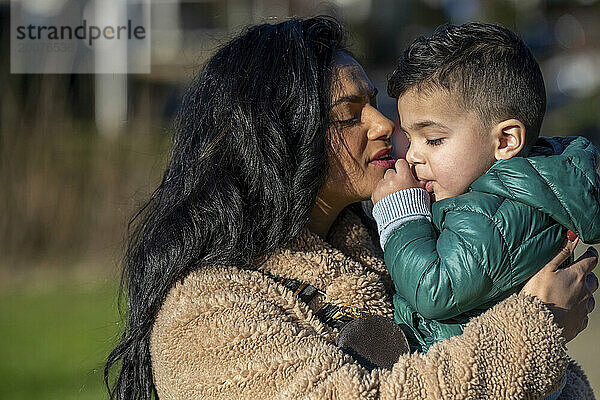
(236, 334)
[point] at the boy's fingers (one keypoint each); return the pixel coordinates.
(400, 164)
(389, 173)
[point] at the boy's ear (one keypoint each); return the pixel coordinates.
(510, 136)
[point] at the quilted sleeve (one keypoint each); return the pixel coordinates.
(446, 274)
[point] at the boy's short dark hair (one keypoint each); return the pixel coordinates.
(488, 66)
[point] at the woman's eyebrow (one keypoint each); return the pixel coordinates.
(355, 98)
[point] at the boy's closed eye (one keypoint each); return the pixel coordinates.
(429, 141)
(435, 142)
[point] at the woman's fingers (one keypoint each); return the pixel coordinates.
(591, 281)
(591, 304)
(588, 260)
(567, 290)
(563, 255)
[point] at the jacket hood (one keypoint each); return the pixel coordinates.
(559, 178)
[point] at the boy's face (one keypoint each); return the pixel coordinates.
(449, 148)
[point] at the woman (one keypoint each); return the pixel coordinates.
(275, 141)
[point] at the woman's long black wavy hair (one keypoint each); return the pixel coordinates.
(249, 156)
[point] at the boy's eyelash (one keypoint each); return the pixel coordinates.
(435, 142)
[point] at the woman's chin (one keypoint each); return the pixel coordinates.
(371, 181)
(378, 174)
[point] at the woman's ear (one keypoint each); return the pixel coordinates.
(510, 136)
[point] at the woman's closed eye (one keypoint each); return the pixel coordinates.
(350, 113)
(349, 117)
(348, 122)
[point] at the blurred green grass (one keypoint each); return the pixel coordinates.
(55, 338)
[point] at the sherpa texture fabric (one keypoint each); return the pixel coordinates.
(229, 333)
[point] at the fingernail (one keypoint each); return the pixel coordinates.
(571, 236)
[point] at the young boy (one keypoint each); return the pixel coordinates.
(471, 100)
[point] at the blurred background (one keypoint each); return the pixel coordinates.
(80, 153)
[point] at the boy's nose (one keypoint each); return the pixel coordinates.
(413, 156)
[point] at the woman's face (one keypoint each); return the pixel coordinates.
(360, 136)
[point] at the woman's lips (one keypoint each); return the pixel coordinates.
(383, 159)
(384, 163)
(384, 153)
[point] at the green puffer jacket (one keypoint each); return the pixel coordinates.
(483, 245)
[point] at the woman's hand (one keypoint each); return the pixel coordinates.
(567, 291)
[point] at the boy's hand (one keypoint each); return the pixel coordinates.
(394, 180)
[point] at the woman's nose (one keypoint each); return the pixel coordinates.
(381, 127)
